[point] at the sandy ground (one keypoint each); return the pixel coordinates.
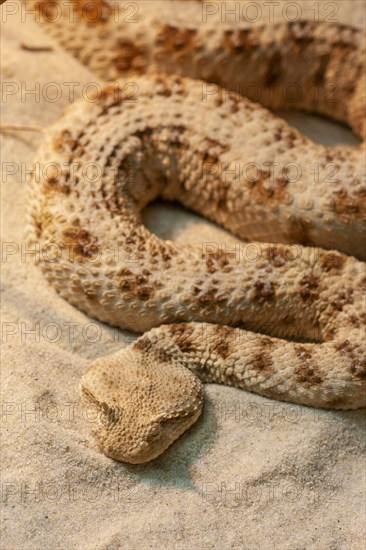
(251, 474)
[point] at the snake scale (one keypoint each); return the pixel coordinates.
(287, 321)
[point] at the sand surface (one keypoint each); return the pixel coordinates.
(251, 474)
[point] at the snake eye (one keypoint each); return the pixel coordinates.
(155, 431)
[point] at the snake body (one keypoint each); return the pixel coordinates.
(286, 321)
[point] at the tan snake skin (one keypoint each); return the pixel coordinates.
(184, 140)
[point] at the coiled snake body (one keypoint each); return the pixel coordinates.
(287, 323)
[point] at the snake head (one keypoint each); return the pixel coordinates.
(143, 403)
